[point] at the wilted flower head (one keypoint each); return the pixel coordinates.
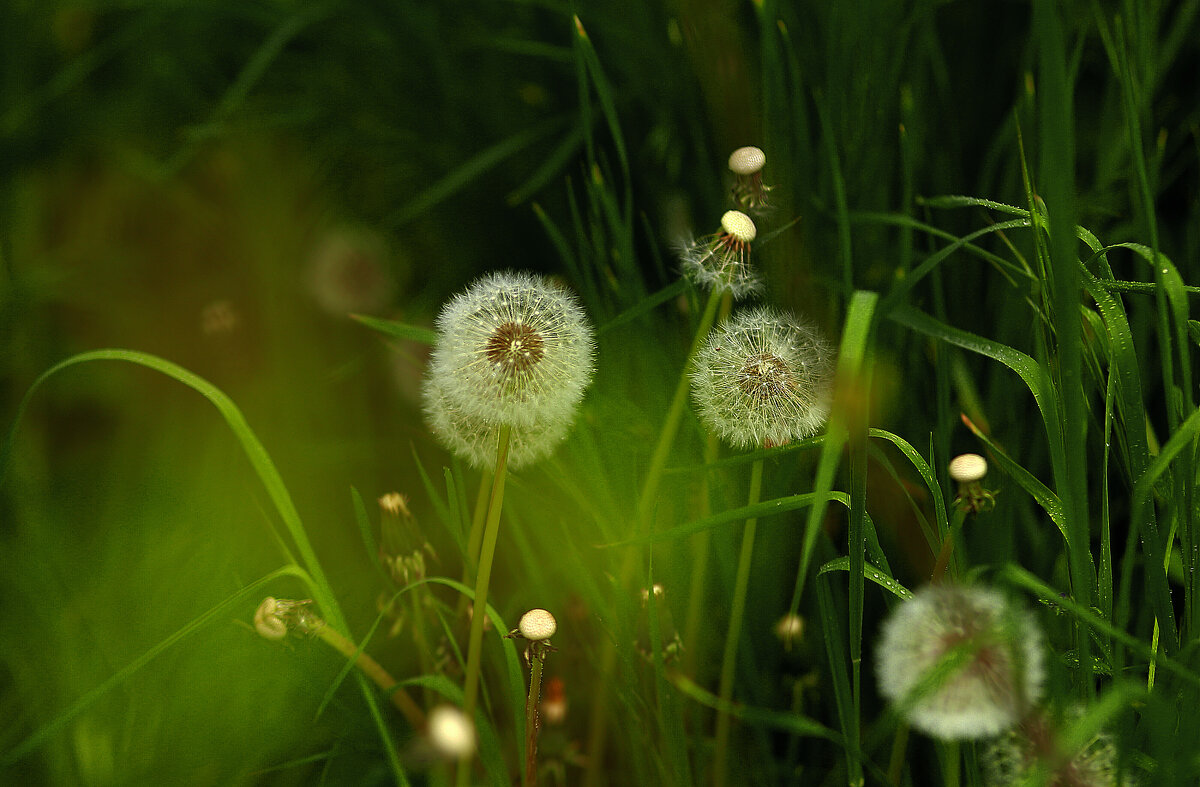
(512, 349)
(722, 261)
(746, 164)
(474, 439)
(762, 378)
(961, 661)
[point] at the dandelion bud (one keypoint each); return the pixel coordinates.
(789, 629)
(537, 625)
(512, 349)
(967, 468)
(762, 378)
(746, 164)
(451, 734)
(267, 620)
(961, 661)
(722, 261)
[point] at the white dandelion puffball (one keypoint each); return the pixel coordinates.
(762, 378)
(513, 349)
(474, 439)
(721, 261)
(998, 681)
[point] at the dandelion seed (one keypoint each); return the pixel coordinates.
(512, 349)
(722, 261)
(961, 661)
(748, 189)
(762, 378)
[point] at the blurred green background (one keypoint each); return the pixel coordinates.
(221, 183)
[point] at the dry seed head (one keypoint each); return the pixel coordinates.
(267, 620)
(984, 656)
(968, 468)
(739, 226)
(747, 160)
(762, 378)
(395, 504)
(537, 625)
(450, 732)
(512, 349)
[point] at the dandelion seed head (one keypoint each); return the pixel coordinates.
(513, 349)
(747, 160)
(1002, 667)
(474, 439)
(739, 226)
(763, 378)
(1012, 758)
(966, 468)
(450, 732)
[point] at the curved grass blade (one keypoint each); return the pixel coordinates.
(781, 720)
(398, 330)
(922, 467)
(870, 572)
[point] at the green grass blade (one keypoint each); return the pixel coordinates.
(398, 330)
(878, 576)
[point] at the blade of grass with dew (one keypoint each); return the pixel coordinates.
(398, 330)
(851, 354)
(926, 473)
(878, 576)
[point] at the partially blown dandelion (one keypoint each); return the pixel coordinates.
(748, 189)
(721, 261)
(961, 661)
(513, 350)
(762, 378)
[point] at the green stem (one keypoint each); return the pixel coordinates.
(658, 463)
(729, 659)
(947, 552)
(491, 530)
(373, 670)
(471, 559)
(531, 718)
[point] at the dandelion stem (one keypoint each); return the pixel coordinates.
(531, 715)
(491, 530)
(729, 659)
(658, 463)
(471, 558)
(947, 551)
(373, 670)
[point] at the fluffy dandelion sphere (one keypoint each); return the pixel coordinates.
(474, 439)
(971, 662)
(537, 625)
(512, 349)
(747, 160)
(762, 378)
(450, 732)
(967, 468)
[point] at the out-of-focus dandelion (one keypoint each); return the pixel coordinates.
(348, 272)
(219, 318)
(960, 661)
(789, 629)
(450, 733)
(721, 262)
(554, 701)
(1012, 758)
(513, 349)
(746, 164)
(763, 378)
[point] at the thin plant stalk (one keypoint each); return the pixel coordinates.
(471, 559)
(491, 530)
(729, 659)
(531, 716)
(373, 670)
(658, 463)
(947, 552)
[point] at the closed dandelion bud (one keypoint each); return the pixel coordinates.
(746, 165)
(512, 349)
(960, 661)
(474, 439)
(721, 261)
(763, 379)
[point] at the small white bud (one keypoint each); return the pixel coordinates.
(747, 160)
(537, 625)
(968, 468)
